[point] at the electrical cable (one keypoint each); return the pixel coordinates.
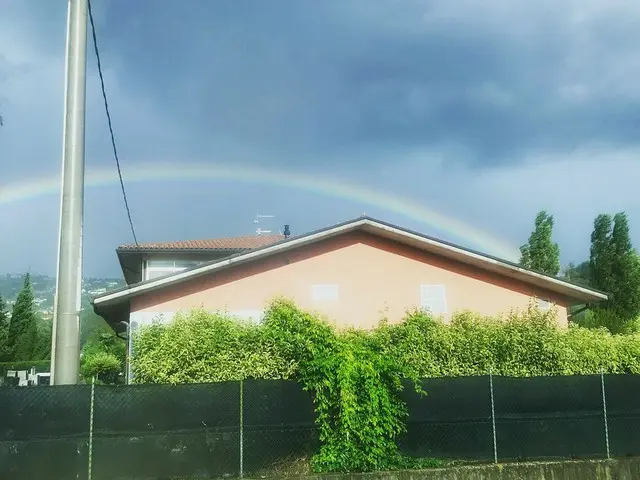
(106, 107)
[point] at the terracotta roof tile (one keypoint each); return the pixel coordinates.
(232, 243)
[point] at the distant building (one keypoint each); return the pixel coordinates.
(25, 378)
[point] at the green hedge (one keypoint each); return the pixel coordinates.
(204, 347)
(200, 347)
(356, 376)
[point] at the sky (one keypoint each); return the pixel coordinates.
(480, 113)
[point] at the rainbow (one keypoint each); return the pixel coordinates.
(311, 183)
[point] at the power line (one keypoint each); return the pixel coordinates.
(106, 108)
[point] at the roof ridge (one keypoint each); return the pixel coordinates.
(208, 239)
(243, 242)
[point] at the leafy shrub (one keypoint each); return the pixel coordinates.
(201, 347)
(105, 367)
(520, 344)
(610, 320)
(103, 357)
(355, 376)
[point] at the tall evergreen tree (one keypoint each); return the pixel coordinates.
(540, 253)
(5, 351)
(23, 329)
(601, 254)
(42, 345)
(615, 268)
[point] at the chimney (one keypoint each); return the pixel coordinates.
(287, 232)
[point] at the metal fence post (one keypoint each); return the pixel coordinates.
(493, 419)
(241, 429)
(93, 395)
(604, 411)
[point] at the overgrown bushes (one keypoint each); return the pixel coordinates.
(521, 345)
(356, 376)
(201, 347)
(204, 347)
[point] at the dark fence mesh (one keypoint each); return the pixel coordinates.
(279, 431)
(453, 420)
(162, 431)
(266, 428)
(547, 417)
(44, 432)
(623, 414)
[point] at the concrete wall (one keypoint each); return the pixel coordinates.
(623, 469)
(371, 278)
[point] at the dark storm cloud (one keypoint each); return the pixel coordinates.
(289, 77)
(461, 106)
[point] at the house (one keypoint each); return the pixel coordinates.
(355, 273)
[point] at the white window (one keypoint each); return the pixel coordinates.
(157, 273)
(325, 292)
(433, 298)
(186, 263)
(159, 268)
(161, 263)
(543, 305)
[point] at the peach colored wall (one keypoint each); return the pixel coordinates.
(376, 277)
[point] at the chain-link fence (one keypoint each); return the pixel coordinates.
(262, 428)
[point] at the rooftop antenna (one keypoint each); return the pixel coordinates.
(256, 221)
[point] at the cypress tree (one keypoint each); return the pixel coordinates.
(601, 254)
(23, 327)
(615, 269)
(42, 346)
(540, 253)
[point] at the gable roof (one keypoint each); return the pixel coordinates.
(231, 243)
(375, 227)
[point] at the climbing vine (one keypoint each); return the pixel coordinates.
(355, 388)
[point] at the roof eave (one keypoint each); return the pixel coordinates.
(116, 315)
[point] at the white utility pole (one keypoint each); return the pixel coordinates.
(65, 352)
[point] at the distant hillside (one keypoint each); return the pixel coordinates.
(44, 289)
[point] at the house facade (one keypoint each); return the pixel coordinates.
(354, 273)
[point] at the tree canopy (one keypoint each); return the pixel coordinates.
(615, 269)
(540, 253)
(23, 328)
